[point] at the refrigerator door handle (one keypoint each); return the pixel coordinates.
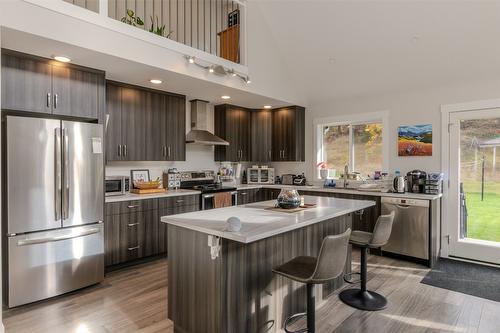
(42, 240)
(57, 173)
(66, 178)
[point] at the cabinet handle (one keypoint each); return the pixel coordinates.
(133, 224)
(119, 150)
(132, 206)
(48, 100)
(243, 193)
(125, 150)
(284, 155)
(55, 101)
(134, 248)
(179, 201)
(169, 150)
(163, 151)
(269, 154)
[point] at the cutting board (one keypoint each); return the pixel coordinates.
(148, 191)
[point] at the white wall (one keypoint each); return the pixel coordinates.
(409, 108)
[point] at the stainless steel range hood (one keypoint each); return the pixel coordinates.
(199, 133)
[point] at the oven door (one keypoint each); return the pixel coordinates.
(114, 186)
(207, 200)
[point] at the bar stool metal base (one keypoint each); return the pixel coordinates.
(363, 300)
(310, 313)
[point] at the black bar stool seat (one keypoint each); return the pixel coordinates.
(327, 266)
(362, 298)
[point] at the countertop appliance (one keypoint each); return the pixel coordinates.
(54, 203)
(172, 179)
(416, 181)
(260, 176)
(410, 230)
(300, 180)
(287, 179)
(205, 181)
(398, 185)
(117, 185)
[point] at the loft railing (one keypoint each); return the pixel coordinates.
(213, 26)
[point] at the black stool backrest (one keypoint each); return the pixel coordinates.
(382, 230)
(332, 257)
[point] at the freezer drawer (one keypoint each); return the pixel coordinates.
(46, 264)
(410, 230)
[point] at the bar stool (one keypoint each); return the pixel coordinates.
(361, 298)
(327, 266)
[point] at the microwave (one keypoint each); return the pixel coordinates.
(117, 185)
(260, 176)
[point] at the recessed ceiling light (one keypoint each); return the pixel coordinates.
(62, 58)
(225, 97)
(156, 81)
(267, 106)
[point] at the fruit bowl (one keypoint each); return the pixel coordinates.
(147, 185)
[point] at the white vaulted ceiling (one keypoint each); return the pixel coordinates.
(346, 49)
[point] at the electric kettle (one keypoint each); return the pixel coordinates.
(399, 184)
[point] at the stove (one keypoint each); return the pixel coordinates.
(213, 188)
(205, 182)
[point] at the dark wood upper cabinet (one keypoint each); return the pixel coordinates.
(26, 84)
(288, 134)
(35, 84)
(233, 124)
(113, 122)
(144, 124)
(133, 124)
(262, 123)
(175, 144)
(76, 92)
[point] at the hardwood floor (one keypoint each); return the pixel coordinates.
(135, 300)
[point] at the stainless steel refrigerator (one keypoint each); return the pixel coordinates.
(53, 207)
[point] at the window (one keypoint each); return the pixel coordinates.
(358, 144)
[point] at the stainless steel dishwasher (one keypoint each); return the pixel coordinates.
(410, 231)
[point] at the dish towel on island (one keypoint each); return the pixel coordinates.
(224, 199)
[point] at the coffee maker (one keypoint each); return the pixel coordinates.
(416, 181)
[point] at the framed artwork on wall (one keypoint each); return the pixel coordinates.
(139, 175)
(415, 140)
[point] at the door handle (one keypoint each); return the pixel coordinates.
(133, 224)
(56, 99)
(179, 201)
(125, 150)
(132, 206)
(57, 238)
(48, 100)
(58, 173)
(243, 193)
(134, 248)
(66, 176)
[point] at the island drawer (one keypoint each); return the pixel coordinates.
(124, 207)
(179, 201)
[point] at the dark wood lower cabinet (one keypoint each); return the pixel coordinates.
(133, 230)
(247, 196)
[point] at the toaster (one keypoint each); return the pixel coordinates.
(287, 179)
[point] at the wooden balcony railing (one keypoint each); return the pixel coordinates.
(212, 26)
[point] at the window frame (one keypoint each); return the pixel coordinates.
(350, 120)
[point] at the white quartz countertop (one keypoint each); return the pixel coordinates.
(259, 223)
(133, 196)
(315, 188)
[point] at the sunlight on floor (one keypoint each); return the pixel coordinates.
(424, 323)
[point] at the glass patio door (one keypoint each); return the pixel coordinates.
(475, 185)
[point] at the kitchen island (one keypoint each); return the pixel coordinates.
(221, 281)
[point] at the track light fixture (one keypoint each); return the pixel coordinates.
(218, 69)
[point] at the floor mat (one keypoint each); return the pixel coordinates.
(464, 277)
